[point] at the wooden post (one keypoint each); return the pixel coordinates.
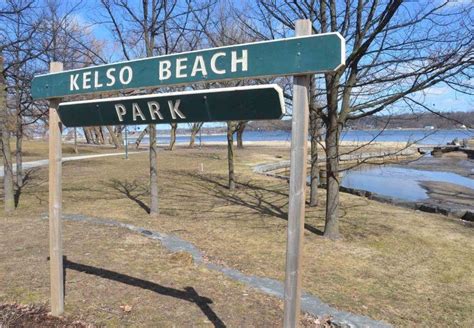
(296, 210)
(55, 204)
(154, 205)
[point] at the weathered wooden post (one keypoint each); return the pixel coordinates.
(154, 205)
(296, 210)
(55, 204)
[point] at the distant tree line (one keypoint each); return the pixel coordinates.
(449, 120)
(420, 120)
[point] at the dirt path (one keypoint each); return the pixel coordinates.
(44, 162)
(309, 303)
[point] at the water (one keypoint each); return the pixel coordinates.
(392, 181)
(399, 182)
(423, 137)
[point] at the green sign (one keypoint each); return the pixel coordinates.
(263, 102)
(290, 56)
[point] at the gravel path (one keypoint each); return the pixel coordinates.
(44, 162)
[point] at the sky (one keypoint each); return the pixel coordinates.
(439, 98)
(443, 98)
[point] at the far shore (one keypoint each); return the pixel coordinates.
(223, 133)
(266, 143)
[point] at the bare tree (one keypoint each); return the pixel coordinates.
(240, 133)
(195, 128)
(153, 27)
(66, 39)
(114, 137)
(225, 29)
(395, 50)
(140, 137)
(17, 27)
(314, 133)
(231, 128)
(76, 150)
(8, 190)
(174, 127)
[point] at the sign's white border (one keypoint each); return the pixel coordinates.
(343, 53)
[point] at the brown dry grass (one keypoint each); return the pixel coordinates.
(405, 267)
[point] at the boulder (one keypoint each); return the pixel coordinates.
(468, 216)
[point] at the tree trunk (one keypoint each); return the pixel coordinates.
(93, 134)
(19, 147)
(154, 206)
(113, 137)
(76, 151)
(87, 135)
(196, 127)
(8, 190)
(118, 132)
(314, 135)
(192, 139)
(19, 126)
(99, 135)
(331, 229)
(174, 127)
(230, 155)
(314, 170)
(240, 132)
(140, 137)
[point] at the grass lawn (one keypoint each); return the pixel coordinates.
(404, 267)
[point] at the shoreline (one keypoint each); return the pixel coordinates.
(266, 143)
(347, 130)
(448, 199)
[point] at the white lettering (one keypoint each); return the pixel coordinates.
(242, 60)
(96, 80)
(174, 109)
(122, 73)
(73, 85)
(136, 111)
(213, 63)
(154, 109)
(86, 80)
(180, 67)
(199, 66)
(110, 77)
(121, 110)
(164, 71)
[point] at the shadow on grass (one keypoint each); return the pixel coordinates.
(133, 190)
(251, 196)
(27, 178)
(188, 294)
